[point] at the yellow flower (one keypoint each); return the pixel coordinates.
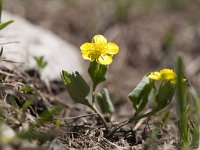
(164, 74)
(168, 74)
(99, 50)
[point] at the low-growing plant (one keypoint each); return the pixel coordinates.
(155, 88)
(41, 63)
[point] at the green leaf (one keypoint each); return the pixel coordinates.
(98, 73)
(144, 100)
(40, 62)
(139, 96)
(50, 113)
(182, 104)
(3, 25)
(77, 88)
(26, 89)
(196, 121)
(26, 105)
(196, 101)
(33, 134)
(165, 94)
(66, 77)
(105, 102)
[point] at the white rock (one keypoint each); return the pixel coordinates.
(36, 41)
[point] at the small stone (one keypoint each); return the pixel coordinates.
(36, 41)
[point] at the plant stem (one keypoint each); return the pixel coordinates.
(136, 118)
(93, 107)
(93, 95)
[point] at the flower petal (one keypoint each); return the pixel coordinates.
(105, 60)
(154, 76)
(86, 47)
(167, 74)
(88, 55)
(99, 40)
(112, 48)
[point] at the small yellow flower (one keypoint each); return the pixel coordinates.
(164, 74)
(168, 74)
(99, 50)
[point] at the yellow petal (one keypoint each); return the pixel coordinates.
(112, 48)
(105, 60)
(99, 40)
(167, 74)
(88, 56)
(154, 76)
(86, 47)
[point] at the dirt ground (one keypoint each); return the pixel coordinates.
(149, 36)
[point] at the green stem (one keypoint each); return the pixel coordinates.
(136, 118)
(93, 95)
(93, 107)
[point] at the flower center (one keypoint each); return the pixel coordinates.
(97, 51)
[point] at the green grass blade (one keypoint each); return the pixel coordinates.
(196, 126)
(182, 105)
(3, 25)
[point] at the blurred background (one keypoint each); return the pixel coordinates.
(148, 32)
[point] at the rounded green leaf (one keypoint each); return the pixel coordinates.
(104, 101)
(139, 95)
(77, 88)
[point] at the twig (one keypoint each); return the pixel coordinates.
(140, 122)
(113, 144)
(11, 61)
(9, 42)
(77, 117)
(6, 73)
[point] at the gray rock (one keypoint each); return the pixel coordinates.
(36, 41)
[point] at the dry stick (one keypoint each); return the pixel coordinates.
(11, 61)
(117, 128)
(77, 117)
(9, 42)
(132, 119)
(140, 122)
(6, 73)
(113, 144)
